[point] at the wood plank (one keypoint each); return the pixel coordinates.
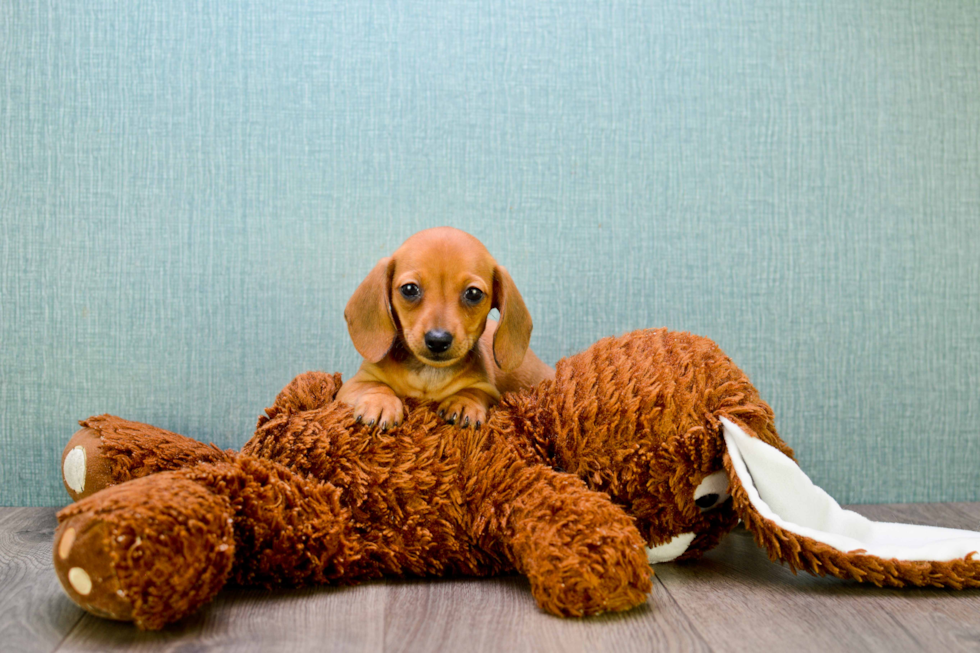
(971, 511)
(500, 614)
(950, 515)
(245, 619)
(733, 600)
(35, 615)
(496, 614)
(944, 620)
(740, 601)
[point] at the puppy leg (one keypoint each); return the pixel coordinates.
(374, 403)
(466, 408)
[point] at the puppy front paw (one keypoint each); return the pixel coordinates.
(463, 410)
(383, 410)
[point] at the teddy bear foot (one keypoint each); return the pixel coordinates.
(150, 551)
(86, 572)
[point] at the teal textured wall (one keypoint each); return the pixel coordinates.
(191, 190)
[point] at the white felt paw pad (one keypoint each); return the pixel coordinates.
(80, 581)
(74, 469)
(64, 547)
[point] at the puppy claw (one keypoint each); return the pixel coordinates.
(464, 411)
(379, 411)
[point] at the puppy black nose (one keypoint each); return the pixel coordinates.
(438, 340)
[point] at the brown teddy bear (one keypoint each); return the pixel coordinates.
(644, 448)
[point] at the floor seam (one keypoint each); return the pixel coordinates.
(69, 633)
(681, 611)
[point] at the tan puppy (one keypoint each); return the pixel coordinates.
(419, 319)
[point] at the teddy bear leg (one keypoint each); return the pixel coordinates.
(149, 551)
(108, 450)
(581, 553)
(156, 548)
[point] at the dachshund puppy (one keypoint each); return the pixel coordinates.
(419, 319)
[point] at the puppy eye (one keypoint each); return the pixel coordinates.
(473, 295)
(410, 291)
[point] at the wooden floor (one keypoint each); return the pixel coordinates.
(732, 600)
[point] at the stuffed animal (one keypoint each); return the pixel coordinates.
(644, 448)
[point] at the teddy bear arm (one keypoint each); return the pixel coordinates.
(308, 391)
(581, 553)
(108, 450)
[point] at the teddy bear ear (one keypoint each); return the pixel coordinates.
(803, 526)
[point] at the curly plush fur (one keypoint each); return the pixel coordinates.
(565, 483)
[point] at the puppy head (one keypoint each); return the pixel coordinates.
(437, 289)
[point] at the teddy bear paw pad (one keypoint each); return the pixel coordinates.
(74, 469)
(84, 470)
(84, 569)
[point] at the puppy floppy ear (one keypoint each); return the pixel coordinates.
(513, 335)
(368, 313)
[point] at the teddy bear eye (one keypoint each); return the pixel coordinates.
(712, 491)
(706, 501)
